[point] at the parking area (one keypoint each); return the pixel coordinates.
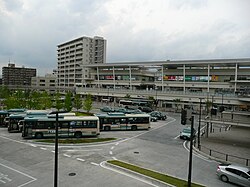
(10, 176)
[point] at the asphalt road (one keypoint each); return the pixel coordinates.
(25, 163)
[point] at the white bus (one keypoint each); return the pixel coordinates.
(121, 121)
(68, 126)
(124, 103)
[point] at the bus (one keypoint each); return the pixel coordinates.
(121, 121)
(68, 126)
(16, 110)
(124, 103)
(15, 123)
(3, 114)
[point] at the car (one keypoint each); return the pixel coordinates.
(185, 134)
(107, 109)
(159, 115)
(234, 173)
(122, 110)
(153, 119)
(145, 109)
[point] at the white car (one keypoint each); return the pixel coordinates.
(186, 133)
(234, 173)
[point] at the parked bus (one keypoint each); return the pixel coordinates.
(15, 123)
(3, 115)
(16, 110)
(124, 103)
(68, 126)
(121, 121)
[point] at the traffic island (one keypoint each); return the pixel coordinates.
(161, 178)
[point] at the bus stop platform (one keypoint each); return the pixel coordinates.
(230, 145)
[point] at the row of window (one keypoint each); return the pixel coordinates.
(66, 124)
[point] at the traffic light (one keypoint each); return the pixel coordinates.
(183, 117)
(214, 111)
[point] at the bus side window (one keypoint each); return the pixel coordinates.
(72, 124)
(64, 125)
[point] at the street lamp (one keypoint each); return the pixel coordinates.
(199, 127)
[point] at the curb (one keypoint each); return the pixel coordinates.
(128, 172)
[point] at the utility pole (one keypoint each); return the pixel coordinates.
(56, 153)
(199, 127)
(191, 153)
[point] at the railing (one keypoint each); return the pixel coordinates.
(224, 156)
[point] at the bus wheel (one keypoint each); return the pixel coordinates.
(134, 128)
(107, 128)
(39, 135)
(78, 135)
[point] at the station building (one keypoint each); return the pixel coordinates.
(221, 81)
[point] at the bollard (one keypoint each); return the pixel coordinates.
(210, 152)
(226, 157)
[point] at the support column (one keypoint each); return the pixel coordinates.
(114, 76)
(130, 78)
(184, 75)
(235, 78)
(162, 76)
(208, 77)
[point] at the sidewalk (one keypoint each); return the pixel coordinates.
(232, 145)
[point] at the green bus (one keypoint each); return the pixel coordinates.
(68, 126)
(15, 123)
(121, 121)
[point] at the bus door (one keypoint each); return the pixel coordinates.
(50, 126)
(115, 123)
(63, 129)
(27, 129)
(123, 124)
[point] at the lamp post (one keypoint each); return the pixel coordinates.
(222, 107)
(199, 127)
(191, 153)
(156, 102)
(56, 154)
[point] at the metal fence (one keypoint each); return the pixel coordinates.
(224, 156)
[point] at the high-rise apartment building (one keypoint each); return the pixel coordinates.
(17, 77)
(74, 55)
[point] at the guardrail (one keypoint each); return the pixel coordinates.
(224, 156)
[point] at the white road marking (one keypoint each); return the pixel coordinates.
(74, 150)
(66, 155)
(33, 179)
(93, 163)
(114, 158)
(177, 137)
(52, 151)
(110, 152)
(112, 147)
(196, 154)
(117, 143)
(43, 148)
(32, 145)
(126, 174)
(82, 160)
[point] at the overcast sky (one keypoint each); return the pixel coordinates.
(135, 30)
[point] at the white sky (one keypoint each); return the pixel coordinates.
(135, 30)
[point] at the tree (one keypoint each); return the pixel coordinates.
(45, 100)
(77, 102)
(87, 105)
(68, 102)
(127, 96)
(58, 101)
(208, 105)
